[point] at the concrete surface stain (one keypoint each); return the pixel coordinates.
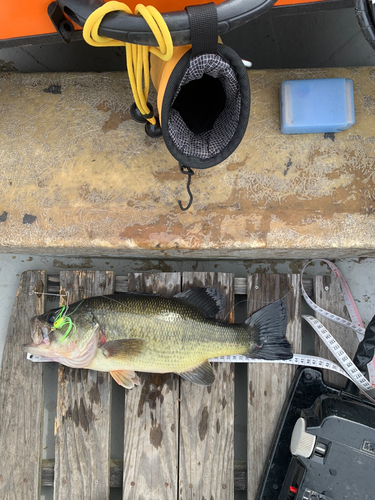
(94, 195)
(7, 66)
(296, 266)
(159, 232)
(153, 266)
(330, 135)
(115, 118)
(169, 175)
(265, 265)
(28, 219)
(369, 101)
(53, 89)
(288, 165)
(86, 264)
(234, 166)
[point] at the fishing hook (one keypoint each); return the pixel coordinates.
(189, 173)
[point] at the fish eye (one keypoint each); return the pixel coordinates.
(51, 318)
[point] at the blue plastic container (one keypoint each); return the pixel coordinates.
(316, 106)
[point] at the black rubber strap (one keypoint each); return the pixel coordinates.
(203, 28)
(364, 13)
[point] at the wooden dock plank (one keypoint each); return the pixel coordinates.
(21, 396)
(329, 296)
(151, 417)
(207, 416)
(82, 428)
(121, 285)
(116, 473)
(269, 383)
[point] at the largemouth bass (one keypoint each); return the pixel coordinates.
(129, 332)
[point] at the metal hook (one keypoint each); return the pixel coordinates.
(189, 173)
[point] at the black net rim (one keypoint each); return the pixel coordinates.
(175, 79)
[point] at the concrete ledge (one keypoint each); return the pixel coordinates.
(78, 176)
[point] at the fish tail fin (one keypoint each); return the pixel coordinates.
(269, 325)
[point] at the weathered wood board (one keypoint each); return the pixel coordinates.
(151, 417)
(21, 398)
(178, 436)
(269, 383)
(329, 296)
(116, 473)
(82, 428)
(207, 416)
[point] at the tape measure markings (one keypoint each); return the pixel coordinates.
(348, 298)
(356, 324)
(339, 353)
(37, 359)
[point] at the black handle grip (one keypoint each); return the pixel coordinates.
(365, 20)
(134, 29)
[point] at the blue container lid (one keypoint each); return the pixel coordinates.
(316, 106)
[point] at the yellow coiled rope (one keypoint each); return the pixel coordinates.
(137, 59)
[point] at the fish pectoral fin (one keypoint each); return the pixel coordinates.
(122, 349)
(126, 378)
(201, 375)
(209, 300)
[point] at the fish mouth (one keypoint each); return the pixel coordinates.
(33, 348)
(39, 332)
(42, 351)
(73, 357)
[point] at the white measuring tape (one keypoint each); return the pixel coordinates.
(347, 368)
(36, 359)
(301, 360)
(356, 324)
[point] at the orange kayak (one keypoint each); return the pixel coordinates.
(22, 20)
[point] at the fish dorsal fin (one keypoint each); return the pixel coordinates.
(209, 300)
(201, 375)
(124, 348)
(126, 378)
